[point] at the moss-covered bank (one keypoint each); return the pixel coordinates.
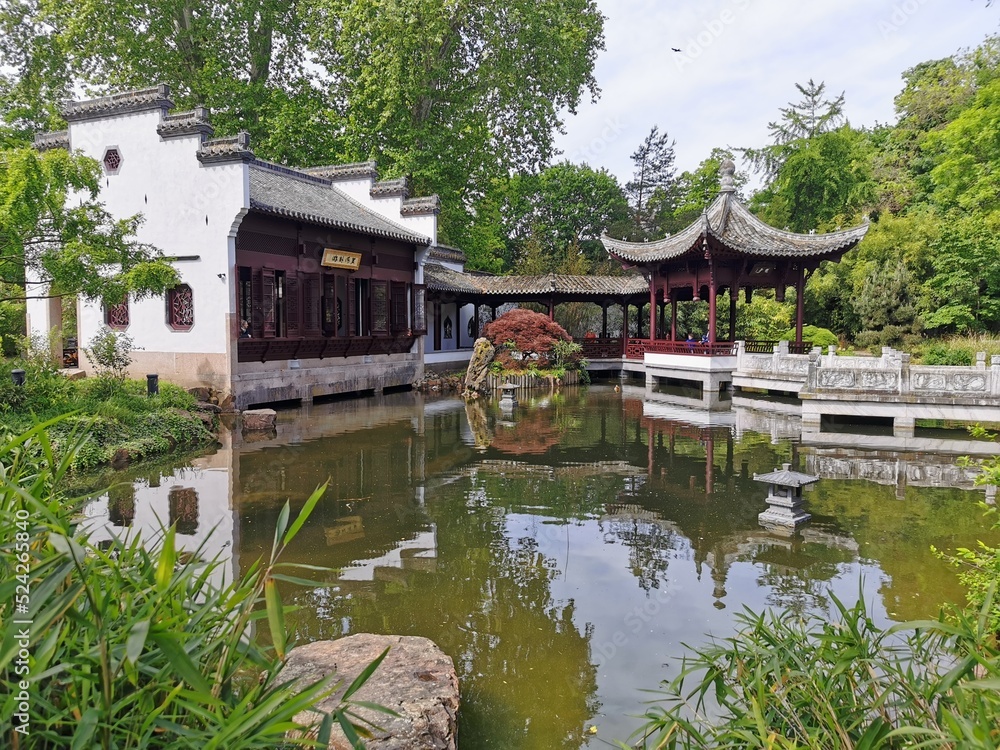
(125, 424)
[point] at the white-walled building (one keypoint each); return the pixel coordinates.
(324, 265)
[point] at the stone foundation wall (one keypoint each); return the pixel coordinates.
(270, 382)
(184, 369)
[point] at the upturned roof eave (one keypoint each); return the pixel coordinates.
(757, 239)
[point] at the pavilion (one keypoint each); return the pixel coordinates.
(726, 248)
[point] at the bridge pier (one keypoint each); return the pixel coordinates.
(904, 427)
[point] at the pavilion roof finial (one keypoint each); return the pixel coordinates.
(726, 171)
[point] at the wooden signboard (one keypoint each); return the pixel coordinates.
(333, 258)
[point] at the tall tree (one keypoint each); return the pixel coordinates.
(57, 239)
(824, 180)
(456, 94)
(812, 116)
(654, 172)
(565, 205)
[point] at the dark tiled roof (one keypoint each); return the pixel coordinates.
(281, 191)
(140, 100)
(423, 206)
(234, 148)
(186, 123)
(390, 188)
(441, 279)
(729, 222)
(55, 139)
(443, 252)
(338, 172)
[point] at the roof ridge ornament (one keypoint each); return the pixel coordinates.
(726, 172)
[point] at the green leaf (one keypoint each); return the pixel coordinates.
(179, 659)
(275, 616)
(136, 640)
(304, 514)
(85, 729)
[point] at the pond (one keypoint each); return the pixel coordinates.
(563, 554)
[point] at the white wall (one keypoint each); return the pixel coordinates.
(188, 209)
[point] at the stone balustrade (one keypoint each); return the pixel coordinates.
(890, 374)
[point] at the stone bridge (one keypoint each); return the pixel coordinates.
(882, 388)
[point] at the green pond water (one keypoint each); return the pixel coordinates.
(561, 556)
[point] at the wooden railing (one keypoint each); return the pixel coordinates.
(269, 350)
(601, 348)
(637, 348)
(759, 347)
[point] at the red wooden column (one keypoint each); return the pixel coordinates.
(800, 285)
(624, 324)
(652, 308)
(711, 302)
(552, 310)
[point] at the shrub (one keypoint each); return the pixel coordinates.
(814, 335)
(111, 353)
(132, 647)
(941, 353)
(783, 682)
(525, 340)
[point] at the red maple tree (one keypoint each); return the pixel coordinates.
(524, 339)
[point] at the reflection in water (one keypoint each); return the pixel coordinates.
(560, 555)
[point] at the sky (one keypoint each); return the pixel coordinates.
(739, 63)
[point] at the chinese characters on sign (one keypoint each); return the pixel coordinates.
(341, 259)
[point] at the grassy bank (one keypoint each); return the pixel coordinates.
(126, 424)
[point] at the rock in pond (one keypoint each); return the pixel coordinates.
(417, 680)
(259, 419)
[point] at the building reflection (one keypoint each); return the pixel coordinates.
(422, 528)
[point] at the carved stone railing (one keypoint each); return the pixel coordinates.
(780, 363)
(893, 375)
(890, 374)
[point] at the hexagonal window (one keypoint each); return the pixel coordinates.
(112, 160)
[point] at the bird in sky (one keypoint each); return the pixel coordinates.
(675, 49)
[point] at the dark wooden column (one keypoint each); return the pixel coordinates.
(673, 317)
(475, 321)
(437, 325)
(800, 285)
(624, 322)
(604, 320)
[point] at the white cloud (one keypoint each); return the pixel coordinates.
(740, 61)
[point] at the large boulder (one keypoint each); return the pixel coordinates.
(417, 680)
(479, 367)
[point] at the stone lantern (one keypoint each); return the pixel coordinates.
(508, 401)
(784, 497)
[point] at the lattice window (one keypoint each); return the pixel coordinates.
(380, 308)
(311, 295)
(180, 308)
(117, 316)
(400, 307)
(419, 309)
(112, 160)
